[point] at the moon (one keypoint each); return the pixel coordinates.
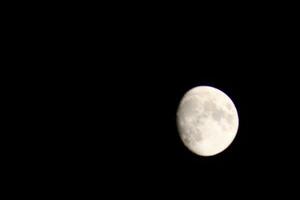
(207, 120)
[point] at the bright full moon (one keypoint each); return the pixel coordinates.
(207, 120)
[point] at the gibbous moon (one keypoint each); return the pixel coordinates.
(207, 120)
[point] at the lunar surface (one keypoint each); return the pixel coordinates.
(207, 120)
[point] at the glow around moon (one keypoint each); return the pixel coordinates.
(207, 120)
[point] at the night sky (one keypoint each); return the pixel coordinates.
(100, 106)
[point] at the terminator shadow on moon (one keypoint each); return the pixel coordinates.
(207, 120)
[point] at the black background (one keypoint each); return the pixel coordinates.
(100, 95)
